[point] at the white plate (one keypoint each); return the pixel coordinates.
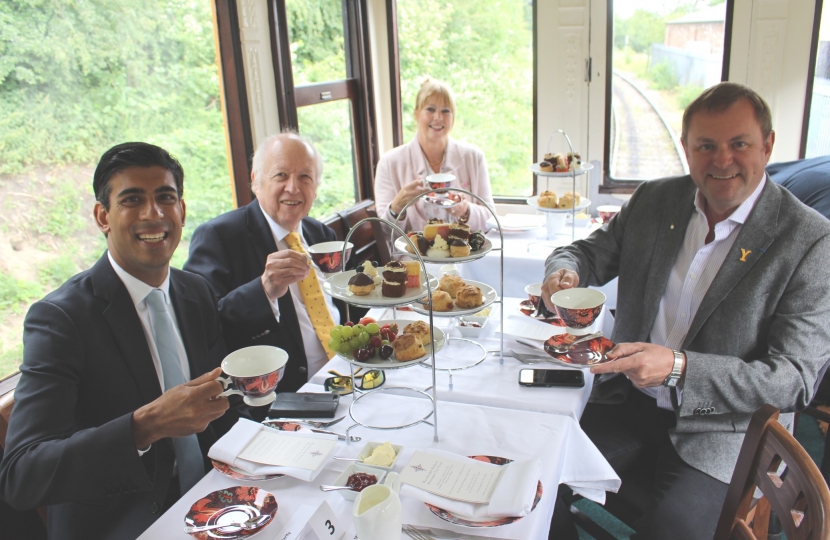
(585, 168)
(534, 202)
(337, 286)
(401, 243)
(391, 363)
(487, 292)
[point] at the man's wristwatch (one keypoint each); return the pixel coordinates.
(676, 370)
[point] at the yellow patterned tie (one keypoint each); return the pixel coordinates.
(313, 299)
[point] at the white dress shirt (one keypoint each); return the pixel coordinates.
(694, 270)
(314, 352)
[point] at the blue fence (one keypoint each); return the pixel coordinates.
(691, 68)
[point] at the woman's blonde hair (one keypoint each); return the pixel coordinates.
(433, 87)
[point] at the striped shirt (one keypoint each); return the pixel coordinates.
(694, 270)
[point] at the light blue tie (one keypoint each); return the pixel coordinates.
(188, 454)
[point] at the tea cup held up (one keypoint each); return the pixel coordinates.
(578, 308)
(534, 293)
(328, 256)
(440, 180)
(253, 373)
(608, 211)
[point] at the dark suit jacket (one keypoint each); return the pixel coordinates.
(86, 368)
(230, 253)
(762, 331)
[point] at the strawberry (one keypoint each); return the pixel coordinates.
(394, 328)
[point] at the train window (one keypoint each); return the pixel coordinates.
(322, 60)
(818, 127)
(662, 56)
(75, 79)
(484, 52)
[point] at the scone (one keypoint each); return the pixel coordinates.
(361, 284)
(547, 199)
(408, 347)
(441, 301)
(450, 284)
(420, 329)
(569, 200)
(468, 297)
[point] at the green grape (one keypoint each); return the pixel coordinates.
(346, 348)
(364, 338)
(384, 342)
(355, 342)
(335, 334)
(373, 328)
(359, 328)
(346, 333)
(334, 344)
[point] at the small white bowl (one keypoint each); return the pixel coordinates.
(370, 447)
(348, 494)
(472, 331)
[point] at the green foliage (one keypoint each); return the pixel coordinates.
(10, 359)
(663, 76)
(62, 211)
(642, 29)
(686, 94)
(15, 293)
(483, 50)
(55, 272)
(317, 50)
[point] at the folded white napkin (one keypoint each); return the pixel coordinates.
(228, 448)
(584, 468)
(513, 495)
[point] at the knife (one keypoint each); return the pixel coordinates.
(444, 534)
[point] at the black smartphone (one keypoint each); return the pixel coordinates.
(569, 378)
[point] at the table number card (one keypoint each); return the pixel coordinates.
(287, 450)
(469, 481)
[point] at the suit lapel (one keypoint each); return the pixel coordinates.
(754, 237)
(671, 233)
(126, 328)
(189, 318)
(259, 233)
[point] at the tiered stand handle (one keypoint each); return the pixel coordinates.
(416, 252)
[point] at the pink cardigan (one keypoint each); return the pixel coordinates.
(406, 163)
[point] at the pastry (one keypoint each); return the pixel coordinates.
(459, 248)
(546, 166)
(436, 227)
(450, 284)
(361, 284)
(413, 274)
(460, 231)
(476, 241)
(408, 347)
(441, 301)
(550, 158)
(569, 200)
(561, 163)
(420, 329)
(394, 271)
(420, 242)
(547, 199)
(440, 249)
(370, 268)
(468, 297)
(393, 289)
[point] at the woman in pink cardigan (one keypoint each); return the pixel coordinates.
(401, 171)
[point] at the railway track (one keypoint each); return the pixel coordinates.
(643, 145)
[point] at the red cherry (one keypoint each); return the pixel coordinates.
(375, 341)
(348, 323)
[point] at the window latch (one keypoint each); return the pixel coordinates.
(325, 95)
(588, 70)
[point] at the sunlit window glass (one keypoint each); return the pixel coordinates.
(75, 79)
(818, 129)
(316, 32)
(484, 52)
(664, 55)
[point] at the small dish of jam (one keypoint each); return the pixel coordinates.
(358, 477)
(360, 481)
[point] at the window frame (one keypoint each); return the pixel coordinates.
(357, 87)
(811, 76)
(610, 184)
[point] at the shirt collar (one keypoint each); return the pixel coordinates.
(742, 212)
(278, 230)
(138, 289)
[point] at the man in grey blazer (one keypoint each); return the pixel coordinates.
(724, 305)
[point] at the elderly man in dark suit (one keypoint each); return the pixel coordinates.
(118, 398)
(724, 305)
(254, 258)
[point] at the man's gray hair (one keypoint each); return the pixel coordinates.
(259, 155)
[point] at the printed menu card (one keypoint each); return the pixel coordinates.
(287, 450)
(461, 480)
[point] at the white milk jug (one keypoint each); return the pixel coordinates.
(377, 511)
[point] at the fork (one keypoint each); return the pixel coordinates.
(312, 423)
(528, 358)
(415, 534)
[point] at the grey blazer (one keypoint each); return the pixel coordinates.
(762, 331)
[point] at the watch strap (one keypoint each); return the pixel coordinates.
(676, 370)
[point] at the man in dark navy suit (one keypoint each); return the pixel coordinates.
(118, 402)
(268, 288)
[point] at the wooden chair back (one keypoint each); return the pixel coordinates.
(798, 494)
(381, 234)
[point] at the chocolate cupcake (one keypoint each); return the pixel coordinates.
(476, 241)
(393, 289)
(394, 271)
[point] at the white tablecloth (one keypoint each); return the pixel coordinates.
(524, 263)
(463, 429)
(489, 383)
